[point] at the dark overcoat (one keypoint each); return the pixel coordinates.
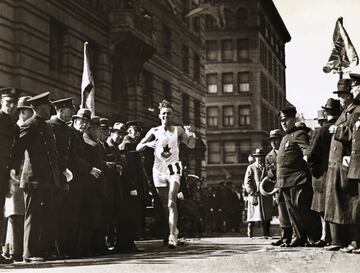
(342, 197)
(318, 160)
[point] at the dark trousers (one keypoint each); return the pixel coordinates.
(298, 203)
(3, 223)
(339, 234)
(38, 225)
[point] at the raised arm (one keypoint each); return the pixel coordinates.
(187, 136)
(148, 141)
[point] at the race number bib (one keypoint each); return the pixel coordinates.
(175, 168)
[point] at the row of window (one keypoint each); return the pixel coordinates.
(243, 82)
(148, 99)
(228, 152)
(238, 19)
(270, 119)
(272, 65)
(227, 50)
(270, 93)
(228, 116)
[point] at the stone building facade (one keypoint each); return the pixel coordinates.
(245, 79)
(140, 52)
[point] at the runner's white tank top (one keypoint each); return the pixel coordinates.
(167, 146)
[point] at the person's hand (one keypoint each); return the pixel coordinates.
(133, 193)
(346, 161)
(13, 176)
(189, 130)
(151, 144)
(332, 129)
(95, 172)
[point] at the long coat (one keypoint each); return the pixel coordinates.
(342, 197)
(264, 210)
(291, 168)
(318, 160)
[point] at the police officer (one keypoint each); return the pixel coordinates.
(318, 159)
(293, 176)
(270, 164)
(38, 139)
(64, 111)
(8, 133)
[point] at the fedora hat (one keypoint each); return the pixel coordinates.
(83, 113)
(259, 152)
(321, 115)
(355, 77)
(276, 133)
(332, 105)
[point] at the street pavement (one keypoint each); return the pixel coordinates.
(212, 254)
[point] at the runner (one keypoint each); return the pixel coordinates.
(165, 140)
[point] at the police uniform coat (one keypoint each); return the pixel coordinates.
(264, 210)
(318, 160)
(342, 195)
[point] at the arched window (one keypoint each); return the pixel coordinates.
(242, 17)
(228, 18)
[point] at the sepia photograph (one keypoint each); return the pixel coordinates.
(179, 136)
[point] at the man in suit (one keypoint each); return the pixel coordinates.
(8, 134)
(318, 159)
(64, 110)
(38, 139)
(340, 197)
(293, 176)
(270, 164)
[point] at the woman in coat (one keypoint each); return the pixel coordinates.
(260, 207)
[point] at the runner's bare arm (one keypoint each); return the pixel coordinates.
(187, 136)
(148, 141)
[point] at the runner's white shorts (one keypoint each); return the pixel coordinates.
(164, 174)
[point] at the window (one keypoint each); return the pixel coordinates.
(228, 18)
(196, 67)
(244, 150)
(228, 116)
(214, 153)
(212, 116)
(197, 113)
(244, 82)
(227, 50)
(56, 46)
(242, 17)
(244, 115)
(185, 108)
(228, 82)
(229, 152)
(210, 23)
(148, 92)
(167, 90)
(243, 49)
(166, 42)
(211, 83)
(185, 58)
(211, 50)
(196, 25)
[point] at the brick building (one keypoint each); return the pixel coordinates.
(245, 79)
(140, 53)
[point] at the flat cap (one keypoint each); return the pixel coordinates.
(42, 98)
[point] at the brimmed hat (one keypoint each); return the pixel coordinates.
(343, 86)
(259, 152)
(63, 103)
(276, 133)
(23, 103)
(288, 112)
(40, 99)
(355, 77)
(333, 106)
(83, 113)
(321, 114)
(95, 121)
(104, 123)
(119, 127)
(136, 125)
(9, 92)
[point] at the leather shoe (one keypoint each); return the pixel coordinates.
(5, 260)
(333, 247)
(277, 243)
(356, 251)
(297, 242)
(320, 243)
(347, 249)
